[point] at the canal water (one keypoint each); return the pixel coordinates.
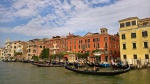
(26, 73)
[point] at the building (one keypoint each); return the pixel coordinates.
(104, 42)
(35, 47)
(13, 47)
(56, 44)
(135, 40)
(2, 53)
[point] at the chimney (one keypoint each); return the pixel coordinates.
(103, 31)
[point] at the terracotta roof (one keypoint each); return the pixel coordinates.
(130, 18)
(145, 19)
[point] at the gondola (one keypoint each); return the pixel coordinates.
(49, 65)
(92, 65)
(14, 60)
(101, 73)
(26, 61)
(106, 65)
(78, 65)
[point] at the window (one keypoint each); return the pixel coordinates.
(133, 35)
(29, 50)
(97, 45)
(74, 47)
(135, 56)
(40, 46)
(133, 22)
(94, 39)
(98, 39)
(106, 58)
(124, 57)
(74, 42)
(121, 25)
(70, 48)
(123, 36)
(124, 46)
(128, 24)
(105, 45)
(145, 44)
(88, 45)
(81, 41)
(105, 38)
(94, 45)
(88, 40)
(70, 42)
(34, 51)
(134, 45)
(115, 52)
(146, 56)
(144, 34)
(83, 47)
(145, 23)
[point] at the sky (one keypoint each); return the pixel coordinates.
(29, 19)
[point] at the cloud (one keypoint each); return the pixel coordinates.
(74, 16)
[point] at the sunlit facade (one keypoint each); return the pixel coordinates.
(135, 40)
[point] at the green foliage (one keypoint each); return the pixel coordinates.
(35, 58)
(85, 55)
(11, 57)
(45, 53)
(80, 55)
(93, 51)
(17, 53)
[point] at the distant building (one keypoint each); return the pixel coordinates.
(2, 53)
(56, 44)
(108, 44)
(35, 47)
(13, 47)
(135, 39)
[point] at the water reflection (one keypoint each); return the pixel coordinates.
(21, 73)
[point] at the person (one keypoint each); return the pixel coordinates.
(113, 64)
(119, 64)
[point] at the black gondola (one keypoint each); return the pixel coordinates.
(103, 73)
(26, 61)
(49, 65)
(78, 65)
(113, 66)
(97, 65)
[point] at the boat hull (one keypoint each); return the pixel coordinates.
(107, 73)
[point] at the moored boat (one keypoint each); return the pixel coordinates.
(49, 65)
(78, 65)
(102, 73)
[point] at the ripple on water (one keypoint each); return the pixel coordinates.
(22, 73)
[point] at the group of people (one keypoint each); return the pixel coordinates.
(117, 64)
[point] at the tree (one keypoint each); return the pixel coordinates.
(35, 58)
(85, 55)
(17, 53)
(93, 51)
(45, 53)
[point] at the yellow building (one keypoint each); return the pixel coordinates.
(135, 40)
